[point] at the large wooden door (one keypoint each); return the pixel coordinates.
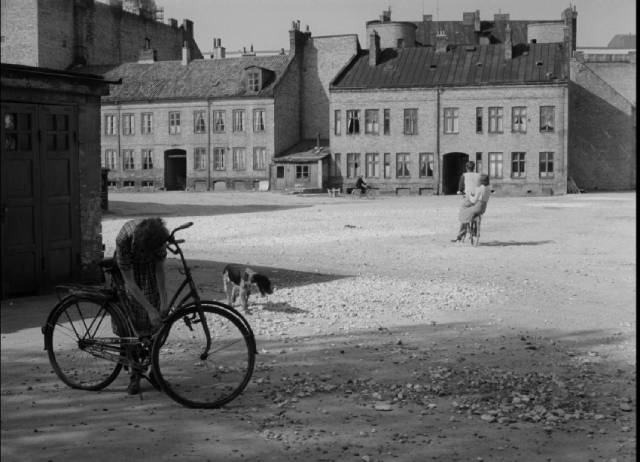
(40, 217)
(21, 205)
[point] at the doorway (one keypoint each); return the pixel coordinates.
(452, 169)
(175, 170)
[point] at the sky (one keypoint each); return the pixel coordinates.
(265, 24)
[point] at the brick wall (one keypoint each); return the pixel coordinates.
(324, 57)
(55, 34)
(19, 28)
(160, 141)
(287, 130)
(466, 141)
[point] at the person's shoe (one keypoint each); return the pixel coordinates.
(455, 240)
(134, 385)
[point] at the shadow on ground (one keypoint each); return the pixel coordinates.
(513, 243)
(121, 209)
(389, 394)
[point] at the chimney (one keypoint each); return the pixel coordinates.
(297, 38)
(476, 22)
(468, 18)
(173, 23)
(385, 16)
(219, 52)
(427, 17)
(501, 17)
(441, 42)
(374, 48)
(508, 45)
(186, 54)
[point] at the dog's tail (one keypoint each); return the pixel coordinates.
(263, 283)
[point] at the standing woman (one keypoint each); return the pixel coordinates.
(476, 205)
(140, 254)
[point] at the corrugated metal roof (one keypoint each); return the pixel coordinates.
(462, 66)
(202, 78)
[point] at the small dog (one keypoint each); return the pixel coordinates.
(239, 281)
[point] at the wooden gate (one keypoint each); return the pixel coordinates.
(40, 204)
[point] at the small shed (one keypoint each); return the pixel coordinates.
(51, 177)
(302, 168)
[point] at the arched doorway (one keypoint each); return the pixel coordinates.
(175, 170)
(452, 169)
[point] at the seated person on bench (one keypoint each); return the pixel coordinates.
(475, 206)
(361, 185)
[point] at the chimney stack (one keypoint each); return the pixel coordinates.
(441, 42)
(508, 45)
(219, 52)
(186, 54)
(374, 48)
(476, 22)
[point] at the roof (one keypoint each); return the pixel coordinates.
(462, 66)
(305, 151)
(200, 78)
(623, 41)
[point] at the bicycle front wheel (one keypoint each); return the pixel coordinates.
(83, 349)
(199, 370)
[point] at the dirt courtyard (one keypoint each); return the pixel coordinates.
(383, 341)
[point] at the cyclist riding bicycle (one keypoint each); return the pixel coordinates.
(140, 255)
(361, 185)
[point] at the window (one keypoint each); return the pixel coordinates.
(147, 123)
(519, 119)
(372, 165)
(174, 123)
(517, 165)
(337, 164)
(478, 162)
(199, 122)
(254, 80)
(371, 122)
(302, 172)
(280, 171)
(547, 119)
(218, 121)
(258, 120)
(451, 120)
(387, 165)
(478, 120)
(410, 121)
(400, 43)
(238, 159)
(387, 121)
(495, 165)
(426, 164)
(402, 165)
(546, 165)
(110, 160)
(110, 124)
(238, 120)
(353, 161)
(127, 159)
(218, 159)
(146, 184)
(147, 159)
(495, 119)
(128, 184)
(337, 123)
(127, 124)
(353, 122)
(200, 159)
(259, 158)
(112, 184)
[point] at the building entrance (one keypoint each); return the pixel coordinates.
(452, 169)
(175, 170)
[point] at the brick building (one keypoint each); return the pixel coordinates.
(63, 34)
(408, 116)
(218, 123)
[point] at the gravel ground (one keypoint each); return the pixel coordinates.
(382, 341)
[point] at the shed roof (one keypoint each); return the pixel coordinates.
(460, 66)
(627, 41)
(305, 151)
(200, 78)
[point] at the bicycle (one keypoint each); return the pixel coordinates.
(370, 193)
(202, 356)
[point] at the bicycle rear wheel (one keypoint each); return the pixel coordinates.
(197, 376)
(82, 347)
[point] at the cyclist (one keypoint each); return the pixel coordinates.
(476, 205)
(361, 185)
(468, 181)
(140, 255)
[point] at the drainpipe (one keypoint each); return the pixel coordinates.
(438, 90)
(208, 144)
(118, 125)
